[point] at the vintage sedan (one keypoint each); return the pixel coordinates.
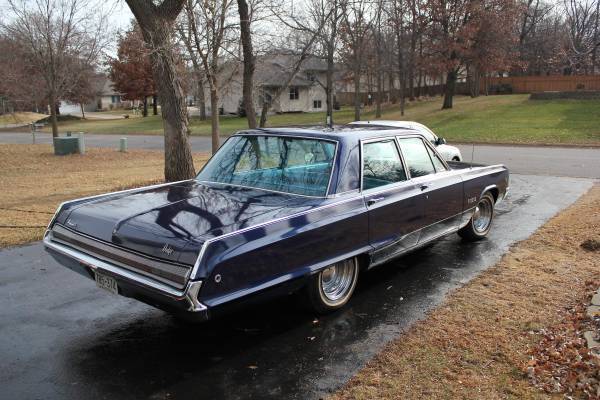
(273, 212)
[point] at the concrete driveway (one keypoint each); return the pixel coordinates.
(62, 338)
(543, 160)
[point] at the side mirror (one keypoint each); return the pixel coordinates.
(440, 141)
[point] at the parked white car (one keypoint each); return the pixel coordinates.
(450, 153)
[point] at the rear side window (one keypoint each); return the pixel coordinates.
(381, 164)
(439, 165)
(416, 156)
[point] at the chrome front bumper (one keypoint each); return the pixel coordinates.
(130, 283)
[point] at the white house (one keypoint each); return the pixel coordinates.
(304, 93)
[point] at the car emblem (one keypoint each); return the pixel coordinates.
(71, 223)
(168, 250)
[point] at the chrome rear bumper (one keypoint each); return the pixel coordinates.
(131, 284)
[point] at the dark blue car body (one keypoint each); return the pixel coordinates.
(194, 246)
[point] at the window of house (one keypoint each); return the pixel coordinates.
(317, 104)
(294, 93)
(116, 99)
(311, 76)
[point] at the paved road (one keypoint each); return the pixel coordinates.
(553, 161)
(61, 338)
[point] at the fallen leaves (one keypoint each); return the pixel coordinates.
(561, 361)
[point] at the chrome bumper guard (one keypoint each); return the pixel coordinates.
(189, 294)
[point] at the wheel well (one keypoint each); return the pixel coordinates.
(455, 158)
(494, 192)
(363, 261)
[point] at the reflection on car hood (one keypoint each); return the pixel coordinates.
(173, 221)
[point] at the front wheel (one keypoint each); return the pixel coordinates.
(331, 288)
(480, 223)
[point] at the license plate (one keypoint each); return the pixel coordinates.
(107, 283)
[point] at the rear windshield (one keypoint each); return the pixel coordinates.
(285, 164)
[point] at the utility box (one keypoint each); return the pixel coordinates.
(66, 145)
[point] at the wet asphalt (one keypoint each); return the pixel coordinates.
(62, 338)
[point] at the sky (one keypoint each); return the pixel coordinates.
(119, 19)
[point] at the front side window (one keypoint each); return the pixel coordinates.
(417, 157)
(294, 93)
(381, 164)
(285, 164)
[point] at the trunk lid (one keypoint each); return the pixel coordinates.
(171, 222)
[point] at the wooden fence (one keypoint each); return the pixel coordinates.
(532, 84)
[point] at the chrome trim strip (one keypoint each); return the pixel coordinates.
(259, 188)
(190, 293)
(133, 260)
(420, 244)
(263, 224)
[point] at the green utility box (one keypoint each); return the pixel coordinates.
(66, 145)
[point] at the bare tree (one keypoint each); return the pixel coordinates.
(208, 22)
(61, 39)
(249, 61)
(581, 24)
(156, 22)
(326, 16)
(357, 20)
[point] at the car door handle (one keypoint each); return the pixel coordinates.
(424, 186)
(374, 200)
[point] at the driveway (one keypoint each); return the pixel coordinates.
(61, 338)
(543, 160)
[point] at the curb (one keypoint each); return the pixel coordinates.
(592, 338)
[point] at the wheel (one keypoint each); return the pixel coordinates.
(481, 221)
(332, 287)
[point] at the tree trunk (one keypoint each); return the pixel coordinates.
(329, 88)
(145, 110)
(392, 88)
(155, 104)
(249, 63)
(449, 89)
(263, 114)
(200, 89)
(156, 22)
(402, 92)
(357, 102)
(214, 119)
(53, 118)
(82, 111)
(379, 93)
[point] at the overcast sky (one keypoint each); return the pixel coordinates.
(119, 19)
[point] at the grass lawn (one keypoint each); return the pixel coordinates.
(482, 342)
(39, 181)
(492, 119)
(20, 118)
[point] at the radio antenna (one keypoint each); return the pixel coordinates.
(472, 154)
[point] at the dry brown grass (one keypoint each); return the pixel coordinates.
(475, 346)
(34, 182)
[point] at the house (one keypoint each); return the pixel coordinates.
(304, 93)
(107, 98)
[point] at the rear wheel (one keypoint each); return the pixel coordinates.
(481, 221)
(331, 288)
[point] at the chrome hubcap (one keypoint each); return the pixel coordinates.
(337, 280)
(483, 215)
